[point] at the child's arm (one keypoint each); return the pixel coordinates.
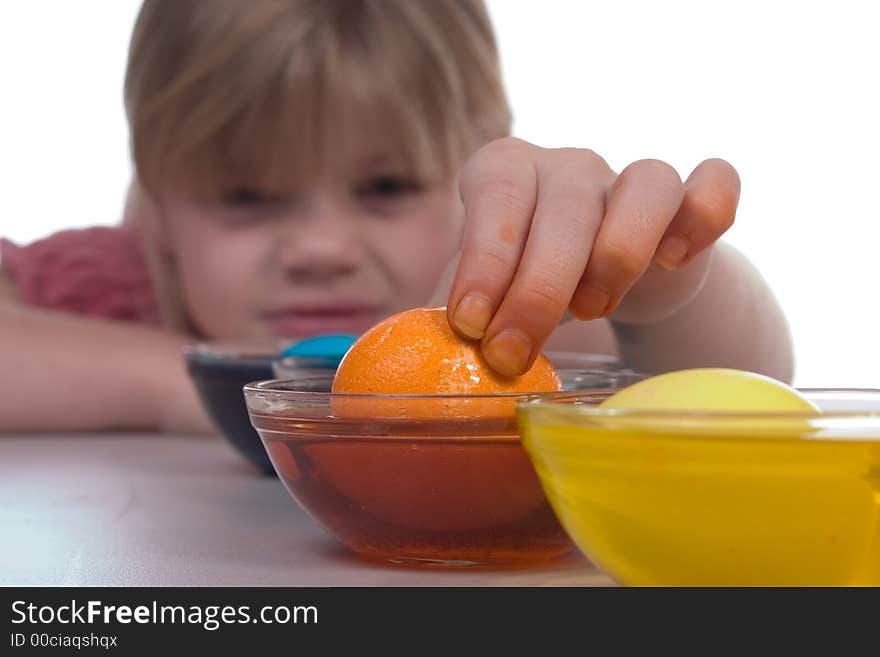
(733, 321)
(555, 230)
(67, 373)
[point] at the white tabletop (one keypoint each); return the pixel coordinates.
(161, 510)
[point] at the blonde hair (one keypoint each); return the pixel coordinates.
(249, 92)
(227, 88)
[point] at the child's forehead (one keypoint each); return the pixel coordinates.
(345, 155)
(345, 145)
(298, 140)
(354, 149)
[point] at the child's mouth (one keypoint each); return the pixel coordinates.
(311, 320)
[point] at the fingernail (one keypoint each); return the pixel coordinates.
(472, 315)
(591, 302)
(671, 251)
(508, 352)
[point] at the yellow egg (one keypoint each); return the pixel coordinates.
(711, 402)
(709, 389)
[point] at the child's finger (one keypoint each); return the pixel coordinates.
(641, 205)
(707, 211)
(498, 188)
(569, 210)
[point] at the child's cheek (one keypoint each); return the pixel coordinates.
(420, 256)
(221, 280)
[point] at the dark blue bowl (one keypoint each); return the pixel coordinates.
(219, 372)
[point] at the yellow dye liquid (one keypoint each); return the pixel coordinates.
(710, 502)
(720, 511)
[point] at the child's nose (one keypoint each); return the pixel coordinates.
(322, 243)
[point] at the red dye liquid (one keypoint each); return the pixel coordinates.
(419, 494)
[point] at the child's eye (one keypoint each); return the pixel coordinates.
(250, 197)
(246, 205)
(387, 187)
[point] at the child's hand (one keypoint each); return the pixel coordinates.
(555, 230)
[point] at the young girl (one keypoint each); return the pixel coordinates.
(309, 166)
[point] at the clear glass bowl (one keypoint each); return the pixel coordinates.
(437, 480)
(715, 498)
(221, 369)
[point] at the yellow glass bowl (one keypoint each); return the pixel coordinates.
(674, 498)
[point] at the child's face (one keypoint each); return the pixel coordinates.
(360, 241)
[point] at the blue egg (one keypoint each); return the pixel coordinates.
(327, 349)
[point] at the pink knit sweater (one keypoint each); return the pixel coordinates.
(96, 271)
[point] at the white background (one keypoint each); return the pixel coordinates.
(785, 91)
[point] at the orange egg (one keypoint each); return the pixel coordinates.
(416, 352)
(419, 473)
